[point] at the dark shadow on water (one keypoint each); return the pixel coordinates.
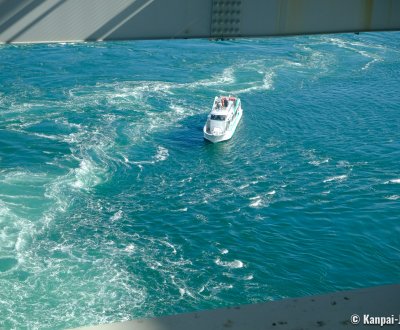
(186, 134)
(24, 150)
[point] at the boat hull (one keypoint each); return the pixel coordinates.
(228, 133)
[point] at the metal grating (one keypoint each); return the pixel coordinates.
(225, 18)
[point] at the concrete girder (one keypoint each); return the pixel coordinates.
(91, 20)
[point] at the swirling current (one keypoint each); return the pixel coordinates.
(113, 207)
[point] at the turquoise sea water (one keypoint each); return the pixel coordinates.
(113, 207)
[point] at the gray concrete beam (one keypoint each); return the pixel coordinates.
(89, 20)
(331, 311)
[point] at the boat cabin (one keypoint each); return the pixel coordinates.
(223, 118)
(223, 112)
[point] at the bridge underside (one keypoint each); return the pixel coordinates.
(91, 20)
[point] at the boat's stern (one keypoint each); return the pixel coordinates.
(214, 138)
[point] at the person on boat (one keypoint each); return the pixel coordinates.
(225, 103)
(219, 105)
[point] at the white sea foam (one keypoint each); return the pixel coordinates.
(393, 197)
(47, 136)
(256, 203)
(130, 248)
(162, 154)
(178, 109)
(272, 192)
(266, 84)
(319, 162)
(166, 243)
(125, 158)
(343, 163)
(182, 287)
(86, 175)
(338, 178)
(16, 232)
(359, 48)
(219, 287)
(229, 264)
(226, 77)
(201, 217)
(25, 177)
(24, 236)
(117, 215)
(392, 181)
(224, 251)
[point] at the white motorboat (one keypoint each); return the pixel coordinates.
(223, 118)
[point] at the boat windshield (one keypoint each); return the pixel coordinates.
(217, 117)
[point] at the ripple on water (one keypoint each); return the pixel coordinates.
(337, 178)
(7, 264)
(393, 197)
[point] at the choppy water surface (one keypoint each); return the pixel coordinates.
(113, 207)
